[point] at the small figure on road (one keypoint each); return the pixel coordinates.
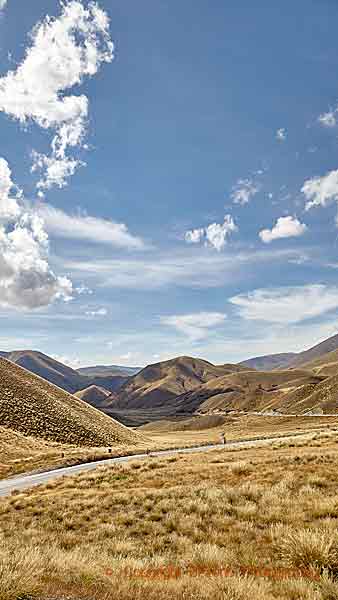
(223, 440)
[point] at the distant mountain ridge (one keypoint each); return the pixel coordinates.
(104, 370)
(292, 359)
(269, 361)
(59, 374)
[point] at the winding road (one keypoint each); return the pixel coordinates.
(23, 482)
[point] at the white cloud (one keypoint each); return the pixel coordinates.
(328, 119)
(62, 53)
(287, 305)
(100, 312)
(84, 227)
(200, 268)
(244, 190)
(195, 236)
(214, 235)
(285, 227)
(3, 4)
(321, 191)
(26, 280)
(74, 363)
(196, 326)
(281, 134)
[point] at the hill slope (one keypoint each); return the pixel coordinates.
(160, 383)
(292, 360)
(35, 407)
(59, 374)
(269, 362)
(95, 395)
(249, 391)
(315, 351)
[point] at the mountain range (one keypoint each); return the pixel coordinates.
(65, 377)
(302, 382)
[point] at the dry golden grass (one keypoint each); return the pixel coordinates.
(107, 534)
(35, 407)
(20, 454)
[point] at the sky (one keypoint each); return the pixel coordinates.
(168, 178)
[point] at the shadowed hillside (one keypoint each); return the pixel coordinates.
(96, 396)
(35, 407)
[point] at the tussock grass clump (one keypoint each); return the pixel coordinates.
(306, 549)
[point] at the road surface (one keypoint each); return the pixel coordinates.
(23, 482)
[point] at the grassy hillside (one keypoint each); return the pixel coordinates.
(269, 362)
(33, 406)
(159, 384)
(248, 391)
(326, 365)
(316, 351)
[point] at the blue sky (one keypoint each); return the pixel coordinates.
(212, 138)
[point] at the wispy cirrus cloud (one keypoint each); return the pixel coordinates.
(62, 53)
(285, 227)
(88, 228)
(196, 325)
(286, 305)
(200, 268)
(328, 119)
(96, 312)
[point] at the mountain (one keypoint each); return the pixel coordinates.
(96, 396)
(269, 362)
(61, 375)
(105, 370)
(35, 407)
(286, 360)
(248, 391)
(324, 365)
(316, 351)
(157, 385)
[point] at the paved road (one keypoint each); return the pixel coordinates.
(23, 482)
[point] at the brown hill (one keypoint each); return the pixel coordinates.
(159, 384)
(95, 395)
(315, 352)
(327, 364)
(248, 391)
(320, 398)
(292, 360)
(269, 361)
(61, 375)
(35, 407)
